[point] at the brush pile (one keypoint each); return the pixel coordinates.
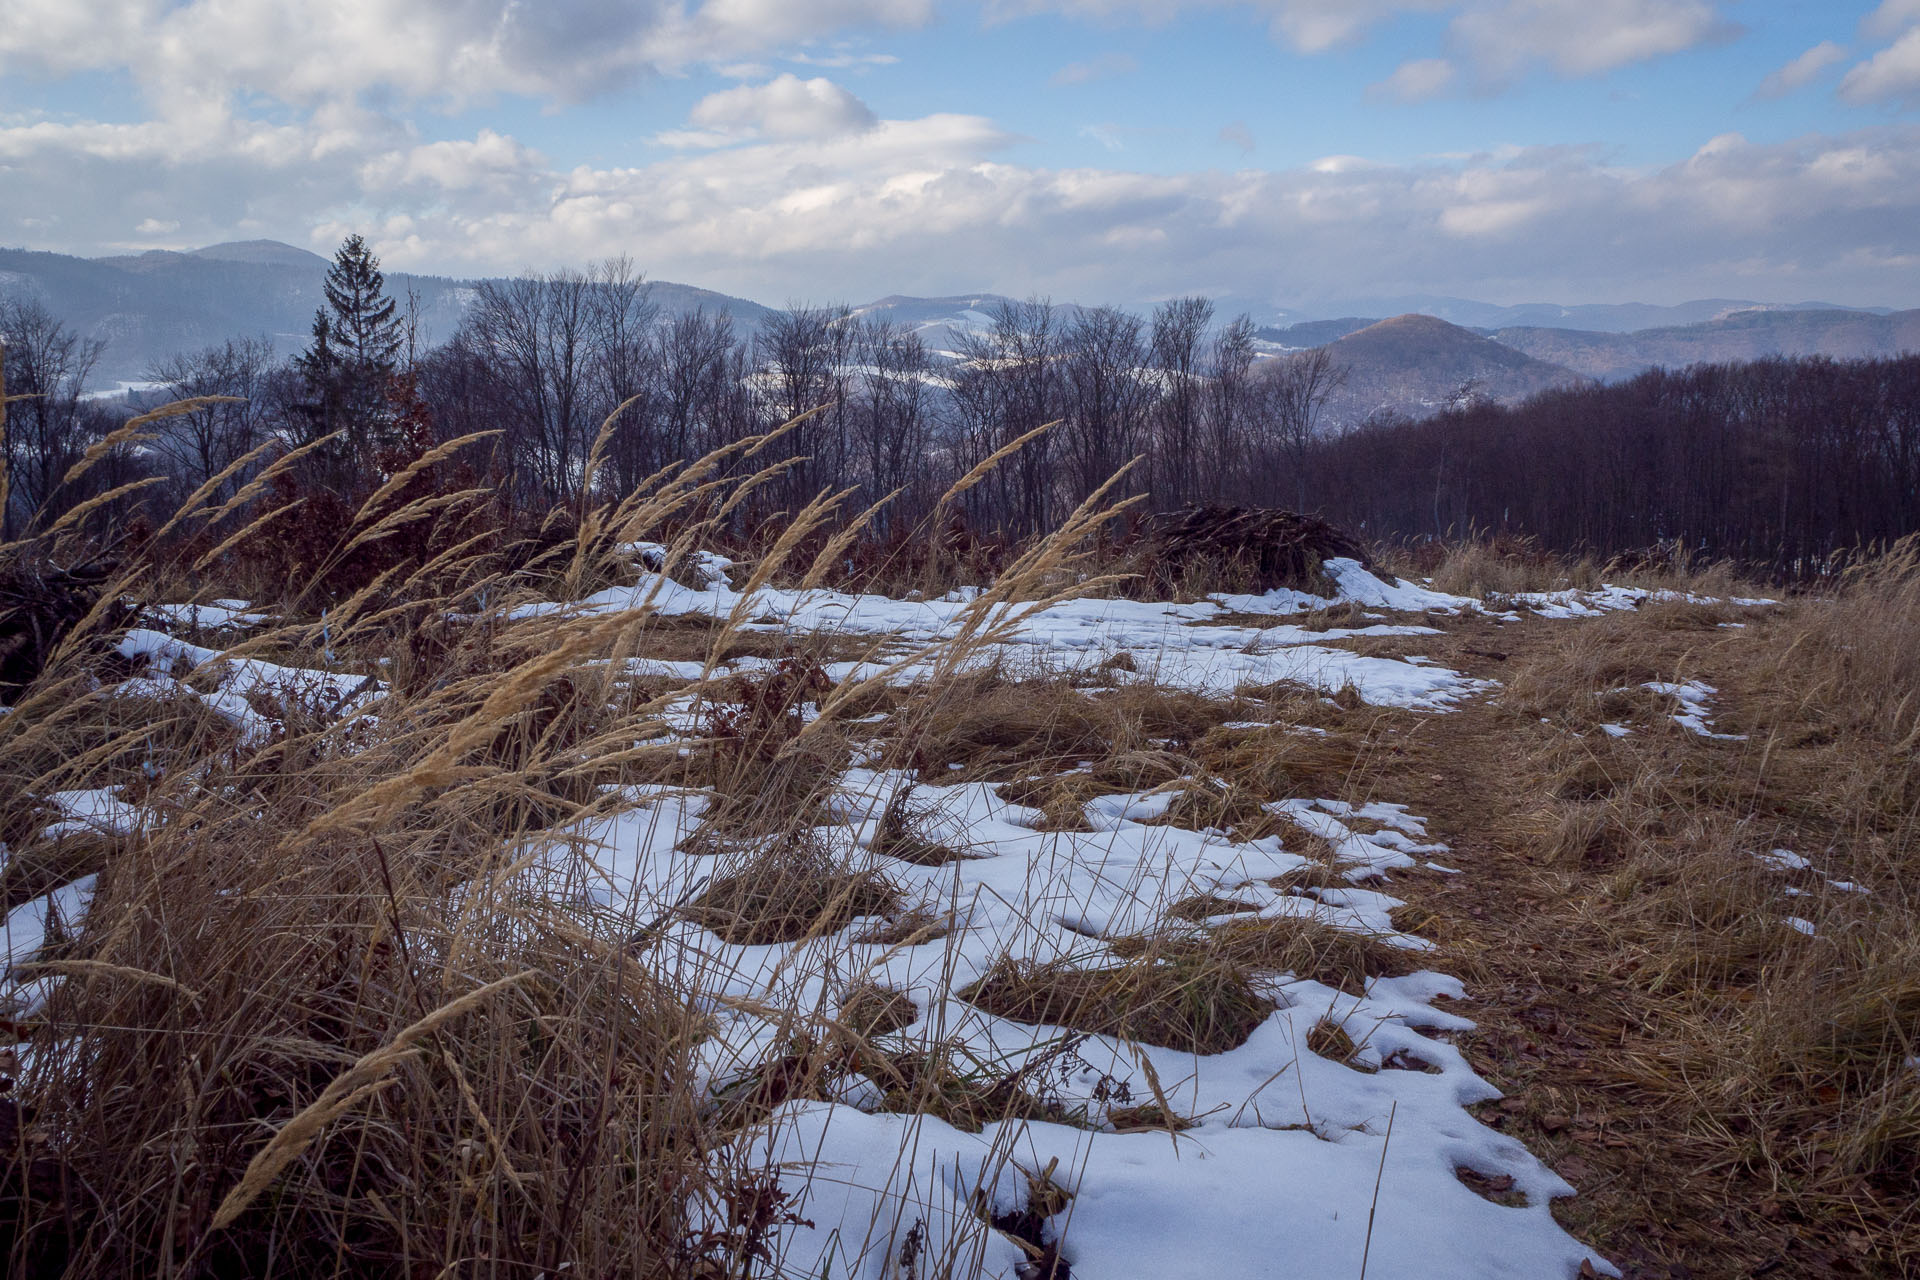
(39, 604)
(1248, 548)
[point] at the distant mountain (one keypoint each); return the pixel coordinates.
(152, 305)
(1743, 335)
(267, 252)
(1416, 364)
(940, 322)
(685, 299)
(1623, 317)
(260, 253)
(943, 323)
(1311, 333)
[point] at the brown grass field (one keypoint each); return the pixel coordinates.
(312, 1024)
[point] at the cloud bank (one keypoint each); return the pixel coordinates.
(783, 186)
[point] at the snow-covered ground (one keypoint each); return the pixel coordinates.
(1291, 1164)
(1275, 1176)
(1189, 646)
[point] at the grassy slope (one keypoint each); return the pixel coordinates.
(1727, 1094)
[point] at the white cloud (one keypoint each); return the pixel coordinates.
(1581, 37)
(490, 161)
(1802, 71)
(1311, 26)
(1416, 81)
(931, 205)
(843, 59)
(1890, 18)
(458, 51)
(789, 186)
(1238, 135)
(1891, 75)
(1098, 68)
(784, 107)
(1501, 37)
(1315, 26)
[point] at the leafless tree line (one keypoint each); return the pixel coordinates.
(546, 359)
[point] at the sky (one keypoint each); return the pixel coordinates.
(1277, 152)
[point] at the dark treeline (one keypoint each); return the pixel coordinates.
(544, 360)
(1776, 465)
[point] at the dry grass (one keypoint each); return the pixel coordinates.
(789, 890)
(901, 833)
(1278, 763)
(1330, 1040)
(999, 727)
(996, 727)
(1503, 566)
(338, 1007)
(1178, 998)
(871, 1010)
(1730, 1094)
(1309, 948)
(324, 1018)
(1846, 670)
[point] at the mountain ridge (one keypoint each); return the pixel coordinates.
(151, 305)
(1744, 335)
(1419, 364)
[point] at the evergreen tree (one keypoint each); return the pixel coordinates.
(365, 328)
(351, 361)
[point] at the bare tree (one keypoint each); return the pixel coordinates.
(894, 414)
(1230, 367)
(199, 445)
(1291, 393)
(806, 355)
(48, 425)
(1008, 383)
(704, 398)
(1109, 396)
(623, 367)
(1179, 336)
(561, 350)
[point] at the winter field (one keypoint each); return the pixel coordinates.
(642, 911)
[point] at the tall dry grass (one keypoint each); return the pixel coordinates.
(316, 1021)
(1789, 999)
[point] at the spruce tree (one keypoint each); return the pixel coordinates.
(347, 368)
(365, 329)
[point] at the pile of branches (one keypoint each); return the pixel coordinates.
(39, 604)
(1242, 548)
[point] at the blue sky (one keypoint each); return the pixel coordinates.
(1285, 150)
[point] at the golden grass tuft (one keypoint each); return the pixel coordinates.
(1279, 762)
(1310, 948)
(1330, 1040)
(1503, 566)
(789, 890)
(1179, 999)
(901, 833)
(871, 1010)
(996, 728)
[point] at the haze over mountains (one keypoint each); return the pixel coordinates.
(1411, 354)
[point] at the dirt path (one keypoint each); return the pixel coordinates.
(1594, 1063)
